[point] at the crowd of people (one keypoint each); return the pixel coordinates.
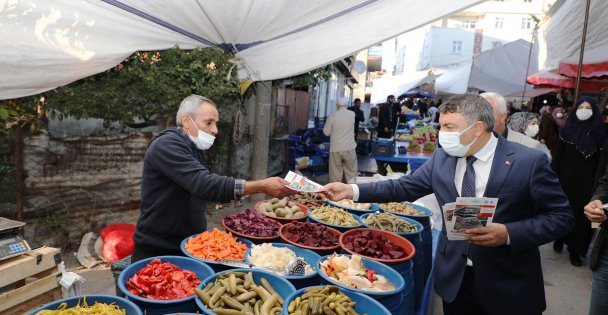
(549, 170)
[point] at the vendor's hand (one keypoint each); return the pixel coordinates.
(495, 234)
(275, 186)
(385, 129)
(337, 191)
(595, 212)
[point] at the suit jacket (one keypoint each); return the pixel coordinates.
(531, 204)
(522, 139)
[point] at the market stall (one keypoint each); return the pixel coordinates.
(278, 258)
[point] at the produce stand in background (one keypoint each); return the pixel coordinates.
(311, 148)
(410, 147)
(30, 280)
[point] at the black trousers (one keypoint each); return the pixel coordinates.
(467, 301)
(142, 252)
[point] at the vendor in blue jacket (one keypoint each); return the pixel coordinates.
(176, 183)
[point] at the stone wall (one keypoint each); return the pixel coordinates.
(77, 185)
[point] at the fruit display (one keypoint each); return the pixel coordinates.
(401, 208)
(282, 208)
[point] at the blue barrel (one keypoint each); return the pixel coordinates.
(418, 261)
(392, 300)
(402, 266)
(427, 236)
(153, 307)
(310, 258)
(405, 269)
(217, 267)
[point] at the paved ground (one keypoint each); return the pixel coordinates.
(567, 287)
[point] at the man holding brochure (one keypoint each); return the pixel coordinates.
(496, 269)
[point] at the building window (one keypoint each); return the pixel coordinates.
(499, 22)
(469, 24)
(526, 23)
(496, 44)
(457, 47)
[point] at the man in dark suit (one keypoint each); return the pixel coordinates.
(385, 123)
(497, 270)
(359, 116)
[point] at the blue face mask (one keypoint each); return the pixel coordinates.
(450, 142)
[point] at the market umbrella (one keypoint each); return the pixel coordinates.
(417, 93)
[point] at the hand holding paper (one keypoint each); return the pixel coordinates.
(492, 235)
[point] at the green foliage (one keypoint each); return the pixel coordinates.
(310, 78)
(18, 112)
(149, 86)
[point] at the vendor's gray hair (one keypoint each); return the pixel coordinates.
(472, 106)
(191, 106)
(499, 101)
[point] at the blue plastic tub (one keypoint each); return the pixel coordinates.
(152, 307)
(91, 299)
(418, 260)
(337, 227)
(372, 209)
(283, 287)
(427, 236)
(310, 258)
(392, 300)
(365, 304)
(217, 267)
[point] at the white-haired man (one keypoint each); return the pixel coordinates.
(176, 183)
(499, 106)
(342, 156)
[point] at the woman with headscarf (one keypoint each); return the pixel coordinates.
(526, 123)
(576, 162)
(548, 133)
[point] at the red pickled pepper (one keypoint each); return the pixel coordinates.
(163, 281)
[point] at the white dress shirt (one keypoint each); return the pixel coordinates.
(482, 167)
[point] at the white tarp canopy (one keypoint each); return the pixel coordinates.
(397, 85)
(501, 70)
(561, 34)
(49, 43)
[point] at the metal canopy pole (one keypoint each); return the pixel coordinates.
(582, 54)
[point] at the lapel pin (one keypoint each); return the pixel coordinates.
(507, 163)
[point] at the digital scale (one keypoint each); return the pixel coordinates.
(11, 243)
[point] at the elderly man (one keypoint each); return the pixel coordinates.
(340, 128)
(499, 106)
(176, 182)
(499, 263)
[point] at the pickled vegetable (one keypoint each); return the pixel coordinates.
(335, 216)
(389, 222)
(401, 208)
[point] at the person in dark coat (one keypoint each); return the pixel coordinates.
(548, 132)
(395, 112)
(575, 162)
(359, 116)
(385, 125)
